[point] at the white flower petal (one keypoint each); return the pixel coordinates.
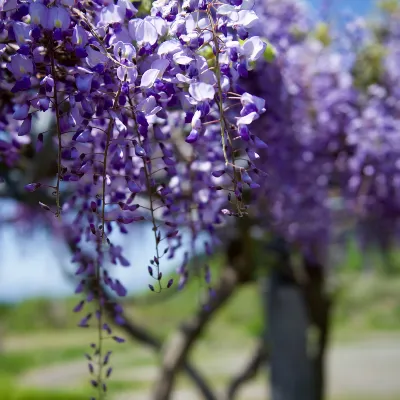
(146, 32)
(149, 77)
(225, 83)
(149, 106)
(254, 48)
(247, 98)
(183, 78)
(208, 77)
(161, 64)
(201, 91)
(247, 119)
(187, 102)
(196, 123)
(169, 47)
(182, 59)
(247, 18)
(226, 9)
(160, 25)
(121, 127)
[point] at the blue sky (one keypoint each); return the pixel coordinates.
(360, 7)
(25, 272)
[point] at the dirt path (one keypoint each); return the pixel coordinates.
(367, 368)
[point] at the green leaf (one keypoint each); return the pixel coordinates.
(207, 53)
(270, 52)
(145, 7)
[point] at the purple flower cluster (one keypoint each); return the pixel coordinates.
(327, 137)
(149, 123)
(154, 120)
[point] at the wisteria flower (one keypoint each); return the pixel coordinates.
(39, 13)
(21, 32)
(253, 48)
(95, 56)
(201, 91)
(116, 13)
(59, 18)
(84, 82)
(143, 31)
(20, 66)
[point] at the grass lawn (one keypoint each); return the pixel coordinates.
(365, 305)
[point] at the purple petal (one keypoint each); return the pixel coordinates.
(31, 187)
(118, 339)
(79, 306)
(192, 137)
(25, 128)
(21, 113)
(133, 187)
(84, 82)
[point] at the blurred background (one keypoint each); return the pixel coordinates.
(41, 350)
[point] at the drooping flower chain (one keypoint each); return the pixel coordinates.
(148, 119)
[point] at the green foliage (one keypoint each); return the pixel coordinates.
(368, 69)
(145, 7)
(389, 6)
(353, 261)
(53, 313)
(298, 34)
(270, 52)
(322, 34)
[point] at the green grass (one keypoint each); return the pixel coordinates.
(368, 304)
(41, 395)
(8, 391)
(14, 363)
(364, 304)
(38, 314)
(374, 303)
(116, 386)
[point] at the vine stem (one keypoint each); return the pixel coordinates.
(224, 124)
(108, 141)
(99, 330)
(218, 75)
(56, 105)
(149, 188)
(153, 220)
(100, 242)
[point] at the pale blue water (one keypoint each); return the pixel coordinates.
(26, 272)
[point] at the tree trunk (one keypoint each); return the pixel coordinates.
(318, 304)
(297, 359)
(291, 375)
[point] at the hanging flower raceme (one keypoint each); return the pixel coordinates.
(151, 120)
(144, 111)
